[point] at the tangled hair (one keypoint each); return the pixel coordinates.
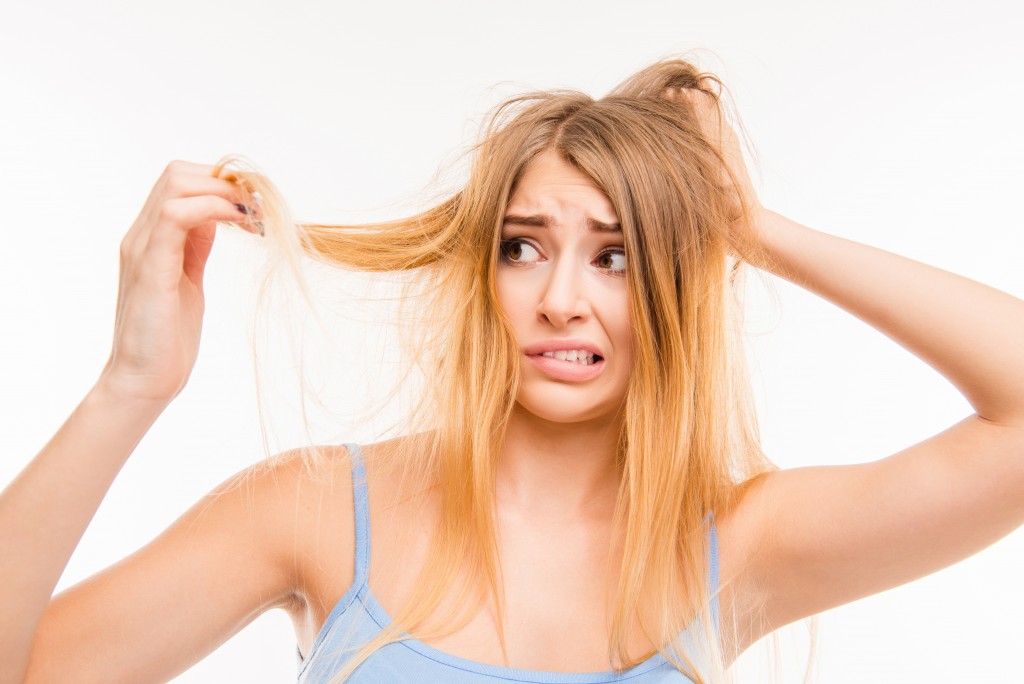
(689, 442)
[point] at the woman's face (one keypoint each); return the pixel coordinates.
(561, 282)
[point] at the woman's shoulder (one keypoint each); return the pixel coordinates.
(309, 489)
(308, 493)
(295, 496)
(324, 469)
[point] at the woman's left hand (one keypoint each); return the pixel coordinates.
(743, 228)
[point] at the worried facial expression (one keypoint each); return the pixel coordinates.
(561, 281)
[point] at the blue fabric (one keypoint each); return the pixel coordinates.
(357, 617)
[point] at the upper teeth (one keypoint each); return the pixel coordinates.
(580, 356)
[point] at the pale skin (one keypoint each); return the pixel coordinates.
(799, 542)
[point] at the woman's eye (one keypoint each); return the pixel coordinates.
(517, 251)
(613, 260)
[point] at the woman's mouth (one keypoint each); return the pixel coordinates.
(577, 356)
(570, 365)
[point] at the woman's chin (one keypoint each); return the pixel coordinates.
(555, 408)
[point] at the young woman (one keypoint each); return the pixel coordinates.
(580, 496)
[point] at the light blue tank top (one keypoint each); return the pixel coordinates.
(357, 617)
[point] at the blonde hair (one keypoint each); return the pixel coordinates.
(689, 441)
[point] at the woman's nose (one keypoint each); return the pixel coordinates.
(564, 298)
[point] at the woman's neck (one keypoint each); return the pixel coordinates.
(560, 471)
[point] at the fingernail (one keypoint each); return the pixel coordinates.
(242, 208)
(259, 227)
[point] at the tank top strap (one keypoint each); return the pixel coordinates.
(361, 504)
(713, 569)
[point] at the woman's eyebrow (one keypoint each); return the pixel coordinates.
(545, 221)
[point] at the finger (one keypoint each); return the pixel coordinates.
(672, 93)
(164, 251)
(181, 166)
(706, 108)
(177, 172)
(198, 245)
(182, 179)
(194, 185)
(242, 178)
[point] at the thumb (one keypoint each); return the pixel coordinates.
(197, 250)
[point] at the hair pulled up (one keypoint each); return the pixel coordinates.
(689, 440)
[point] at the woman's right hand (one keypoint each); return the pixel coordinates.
(160, 291)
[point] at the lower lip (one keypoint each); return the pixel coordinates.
(566, 370)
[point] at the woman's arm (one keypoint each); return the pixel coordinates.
(231, 557)
(804, 540)
(967, 331)
(235, 554)
(819, 537)
(158, 321)
(45, 510)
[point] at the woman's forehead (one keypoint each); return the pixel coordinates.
(551, 186)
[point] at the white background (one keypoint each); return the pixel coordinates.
(893, 123)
